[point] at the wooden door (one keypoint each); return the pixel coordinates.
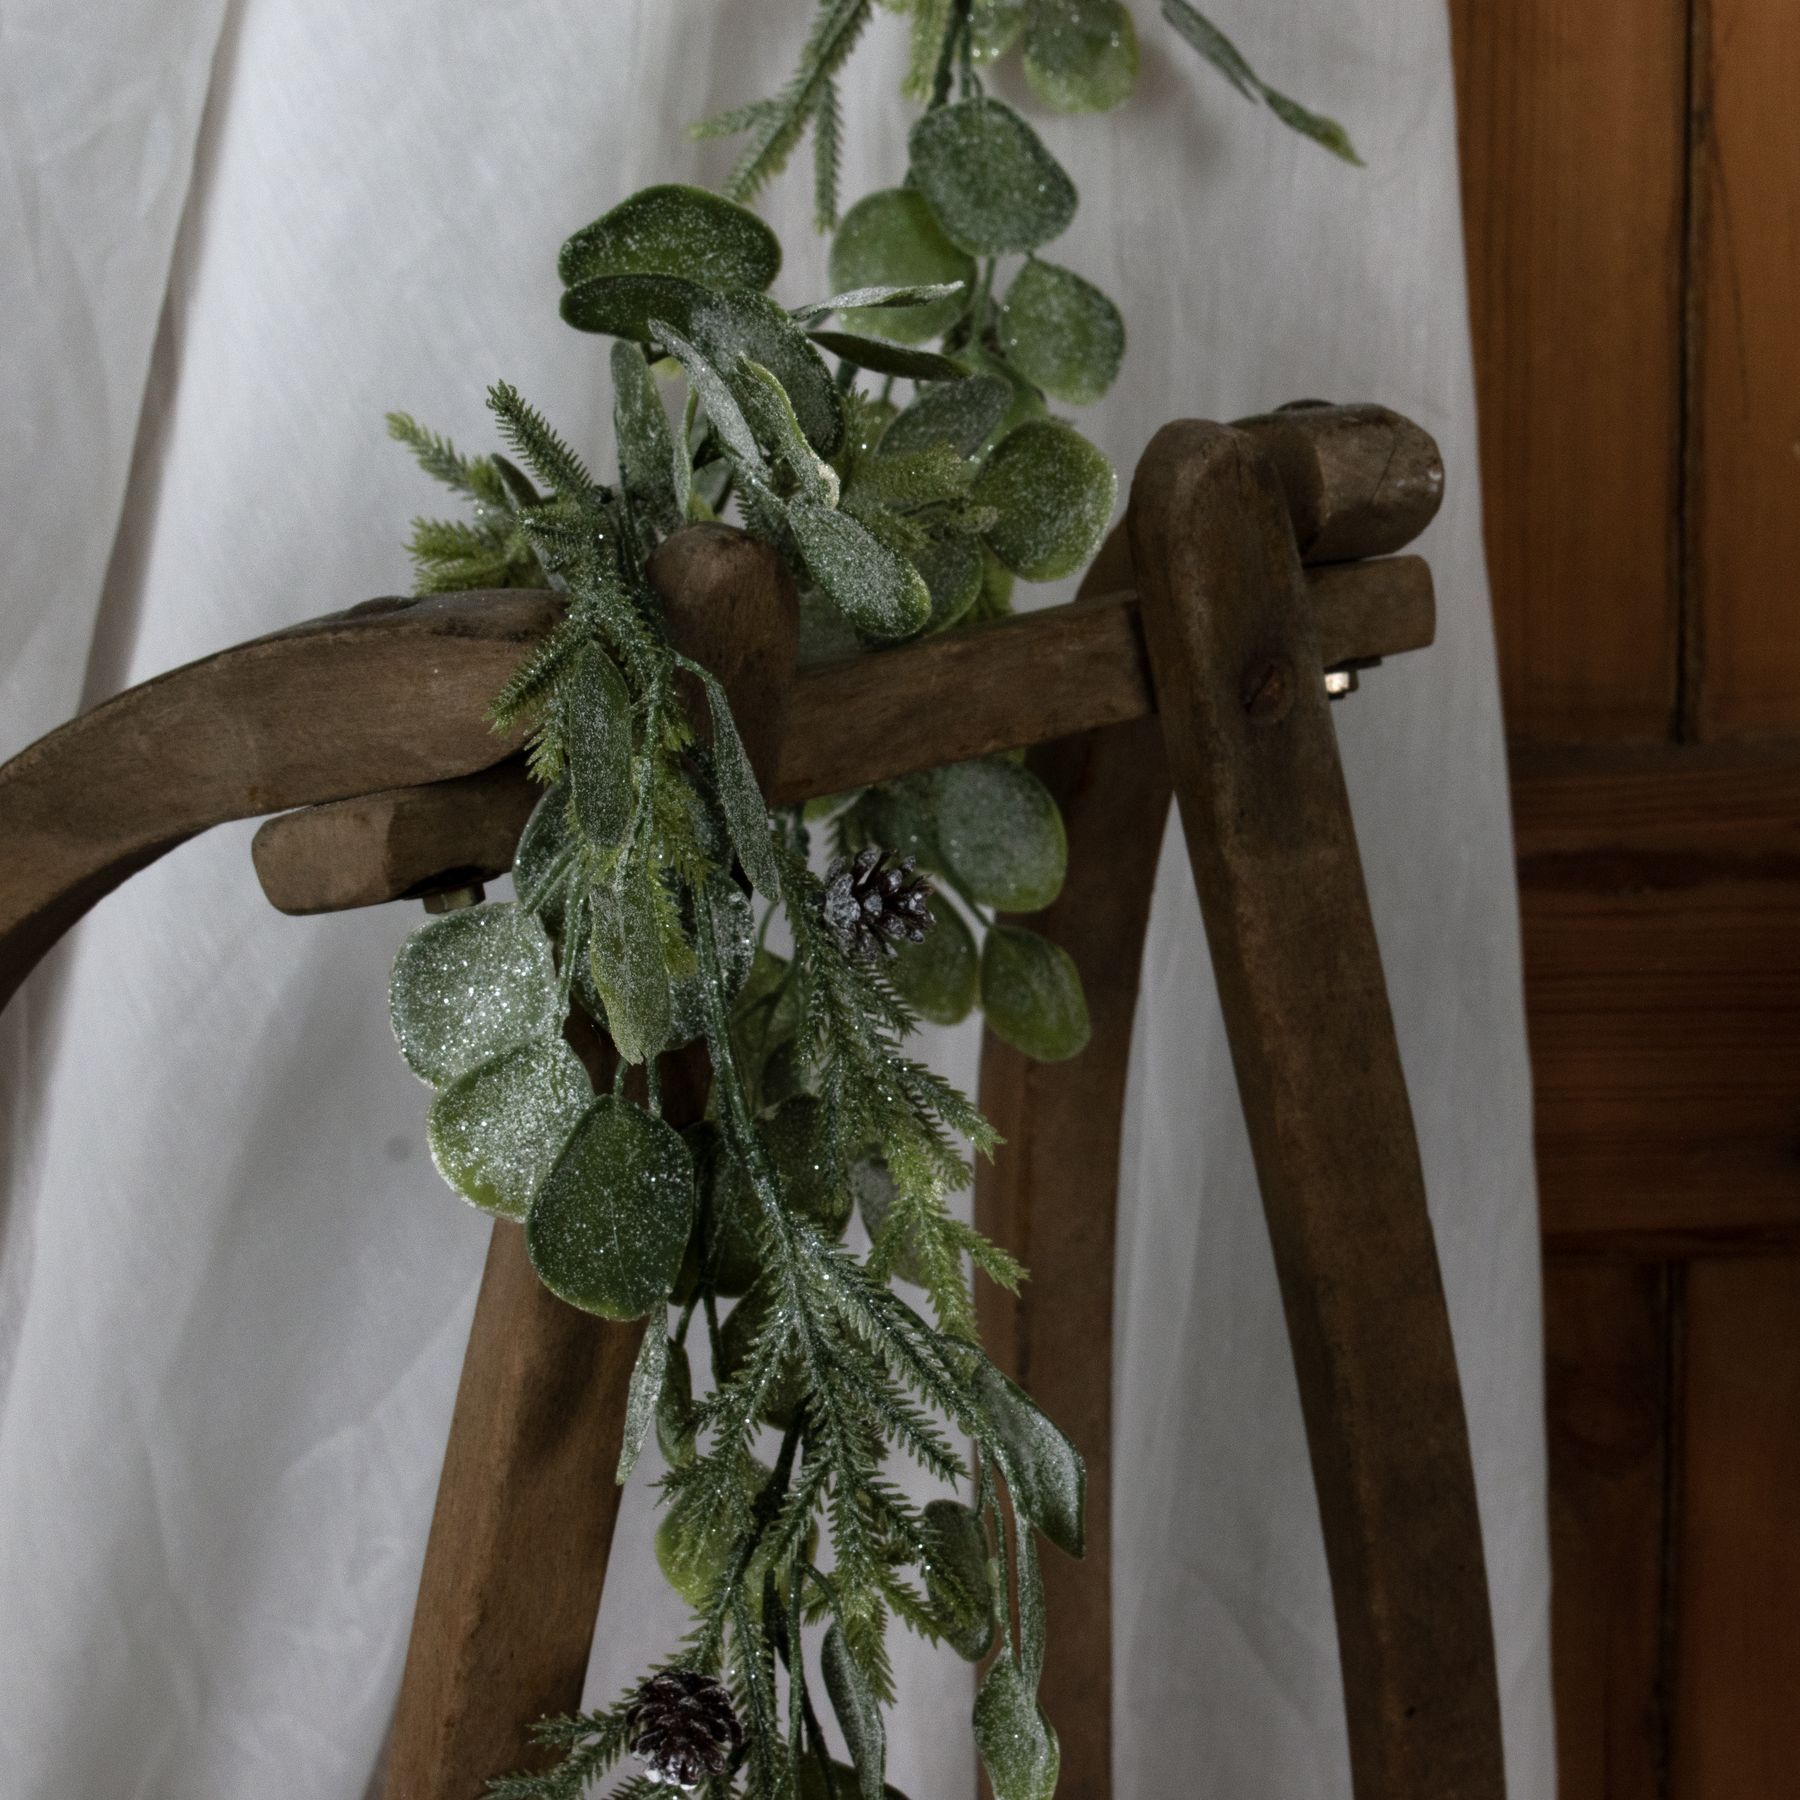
(1631, 173)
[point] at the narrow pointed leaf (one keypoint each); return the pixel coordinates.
(651, 470)
(597, 727)
(884, 296)
(880, 593)
(1017, 1745)
(1049, 1480)
(890, 239)
(643, 1396)
(858, 1713)
(888, 359)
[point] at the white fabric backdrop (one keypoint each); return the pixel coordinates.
(233, 1294)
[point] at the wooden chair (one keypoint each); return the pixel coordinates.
(1205, 674)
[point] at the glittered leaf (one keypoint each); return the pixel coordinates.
(1018, 1748)
(1048, 1477)
(888, 359)
(495, 1131)
(891, 238)
(734, 932)
(813, 1181)
(1062, 333)
(952, 570)
(746, 817)
(675, 1430)
(608, 1224)
(1080, 55)
(597, 729)
(988, 179)
(1027, 401)
(545, 837)
(872, 1183)
(675, 230)
(652, 471)
(1031, 994)
(470, 984)
(625, 959)
(995, 28)
(957, 1578)
(766, 405)
(624, 305)
(727, 326)
(858, 1713)
(716, 398)
(940, 977)
(642, 1397)
(877, 591)
(962, 414)
(885, 295)
(1000, 834)
(1054, 493)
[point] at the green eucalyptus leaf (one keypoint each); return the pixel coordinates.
(740, 798)
(901, 816)
(1017, 1743)
(884, 295)
(1048, 1479)
(1054, 493)
(995, 27)
(1080, 55)
(786, 1393)
(940, 977)
(840, 1783)
(727, 326)
(734, 932)
(1027, 400)
(495, 1131)
(1031, 994)
(771, 414)
(814, 1182)
(643, 1396)
(470, 984)
(626, 962)
(624, 305)
(889, 359)
(880, 593)
(1062, 333)
(545, 837)
(1327, 133)
(858, 1712)
(597, 716)
(988, 179)
(891, 238)
(872, 1182)
(999, 834)
(995, 599)
(652, 471)
(958, 1578)
(715, 395)
(951, 567)
(675, 230)
(675, 1427)
(608, 1224)
(962, 414)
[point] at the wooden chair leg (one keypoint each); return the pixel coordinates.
(1251, 747)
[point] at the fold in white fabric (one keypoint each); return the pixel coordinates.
(233, 1293)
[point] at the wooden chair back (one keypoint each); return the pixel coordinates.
(1255, 560)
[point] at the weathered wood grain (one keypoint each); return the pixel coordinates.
(1573, 147)
(1609, 1361)
(1660, 897)
(1736, 1729)
(1022, 681)
(1274, 856)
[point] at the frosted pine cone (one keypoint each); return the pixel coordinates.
(869, 906)
(683, 1726)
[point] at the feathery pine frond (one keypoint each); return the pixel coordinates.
(828, 135)
(530, 434)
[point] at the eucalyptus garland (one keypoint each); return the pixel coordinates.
(651, 873)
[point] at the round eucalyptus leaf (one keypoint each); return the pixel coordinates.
(608, 1224)
(496, 1131)
(901, 816)
(963, 414)
(1000, 834)
(470, 984)
(1062, 333)
(872, 1183)
(545, 837)
(675, 230)
(1017, 1744)
(990, 182)
(737, 1339)
(951, 567)
(995, 27)
(1026, 401)
(889, 238)
(727, 1253)
(1080, 55)
(881, 594)
(624, 305)
(814, 1182)
(727, 326)
(1031, 994)
(1054, 493)
(957, 1579)
(995, 600)
(940, 977)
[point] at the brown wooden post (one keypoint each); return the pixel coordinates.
(1267, 819)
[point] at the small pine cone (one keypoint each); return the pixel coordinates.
(869, 906)
(683, 1726)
